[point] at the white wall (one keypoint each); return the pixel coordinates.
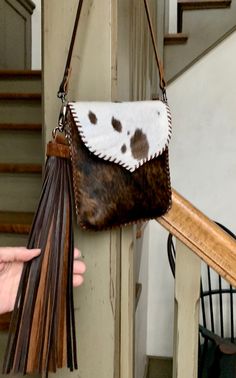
(172, 16)
(36, 36)
(203, 169)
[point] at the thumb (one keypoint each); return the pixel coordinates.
(20, 254)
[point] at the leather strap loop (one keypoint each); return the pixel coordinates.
(63, 89)
(59, 148)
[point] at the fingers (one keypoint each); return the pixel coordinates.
(20, 254)
(77, 280)
(77, 253)
(31, 253)
(79, 269)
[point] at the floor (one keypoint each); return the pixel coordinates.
(159, 367)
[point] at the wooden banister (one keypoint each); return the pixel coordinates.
(202, 236)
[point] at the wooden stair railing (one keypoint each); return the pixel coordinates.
(197, 238)
(202, 236)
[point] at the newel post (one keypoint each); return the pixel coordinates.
(187, 291)
(105, 349)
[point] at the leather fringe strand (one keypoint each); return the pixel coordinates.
(42, 331)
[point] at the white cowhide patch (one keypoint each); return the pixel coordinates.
(127, 133)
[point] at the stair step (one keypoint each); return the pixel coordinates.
(21, 147)
(203, 4)
(186, 5)
(20, 81)
(20, 96)
(21, 126)
(205, 30)
(15, 223)
(14, 239)
(175, 38)
(21, 156)
(16, 110)
(20, 168)
(19, 191)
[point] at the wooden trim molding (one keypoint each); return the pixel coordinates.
(202, 236)
(28, 5)
(203, 4)
(16, 13)
(16, 74)
(20, 168)
(175, 39)
(20, 96)
(21, 126)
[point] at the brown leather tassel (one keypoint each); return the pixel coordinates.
(42, 331)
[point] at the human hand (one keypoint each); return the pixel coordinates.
(11, 265)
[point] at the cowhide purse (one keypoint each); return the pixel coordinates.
(119, 153)
(119, 157)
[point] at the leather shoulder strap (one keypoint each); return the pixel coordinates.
(63, 89)
(162, 82)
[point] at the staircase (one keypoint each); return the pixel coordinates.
(202, 25)
(20, 154)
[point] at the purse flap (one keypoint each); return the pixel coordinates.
(126, 133)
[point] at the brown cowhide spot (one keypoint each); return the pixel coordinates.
(92, 118)
(139, 145)
(123, 149)
(116, 124)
